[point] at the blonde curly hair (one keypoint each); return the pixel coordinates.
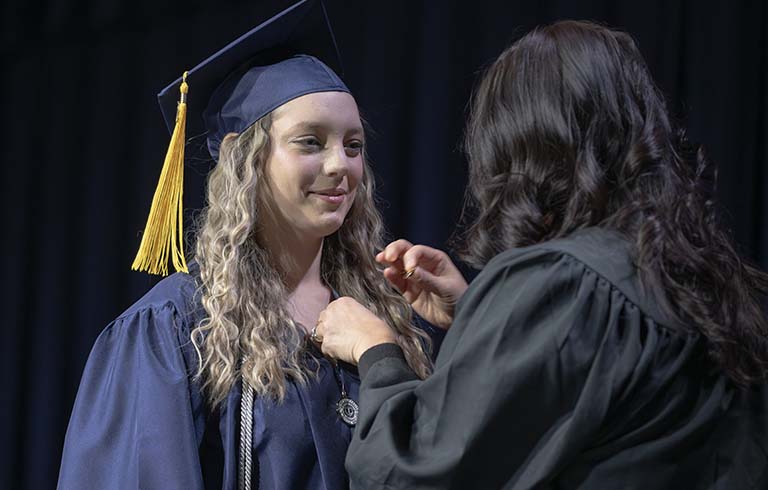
(248, 330)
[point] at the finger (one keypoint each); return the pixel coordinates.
(335, 303)
(325, 348)
(396, 279)
(323, 317)
(396, 266)
(425, 257)
(410, 295)
(395, 250)
(405, 287)
(424, 279)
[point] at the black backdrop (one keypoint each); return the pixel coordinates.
(83, 141)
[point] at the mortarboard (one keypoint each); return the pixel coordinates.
(271, 64)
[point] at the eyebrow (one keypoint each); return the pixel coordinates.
(312, 126)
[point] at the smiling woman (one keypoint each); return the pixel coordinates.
(210, 380)
(296, 184)
(316, 162)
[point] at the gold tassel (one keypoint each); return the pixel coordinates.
(164, 233)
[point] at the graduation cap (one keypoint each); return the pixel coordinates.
(273, 63)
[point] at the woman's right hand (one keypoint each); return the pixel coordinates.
(435, 285)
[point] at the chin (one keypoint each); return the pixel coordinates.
(329, 229)
(328, 225)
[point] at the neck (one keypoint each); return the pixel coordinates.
(296, 255)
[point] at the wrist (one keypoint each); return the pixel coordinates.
(371, 342)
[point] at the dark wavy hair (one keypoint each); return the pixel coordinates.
(568, 130)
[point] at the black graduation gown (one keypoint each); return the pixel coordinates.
(140, 420)
(559, 373)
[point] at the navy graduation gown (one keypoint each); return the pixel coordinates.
(140, 421)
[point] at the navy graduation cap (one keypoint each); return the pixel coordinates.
(273, 63)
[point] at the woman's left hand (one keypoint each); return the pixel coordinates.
(346, 329)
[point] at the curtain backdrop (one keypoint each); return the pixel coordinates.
(83, 142)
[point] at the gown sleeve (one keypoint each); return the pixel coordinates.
(540, 349)
(133, 422)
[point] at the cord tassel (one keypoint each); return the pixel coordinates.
(164, 232)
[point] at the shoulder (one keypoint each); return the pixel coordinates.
(605, 252)
(178, 292)
(599, 256)
(155, 330)
(549, 273)
(163, 319)
(578, 301)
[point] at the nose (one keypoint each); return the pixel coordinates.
(337, 163)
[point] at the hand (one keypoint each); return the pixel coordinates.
(346, 329)
(434, 287)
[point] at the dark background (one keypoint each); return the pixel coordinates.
(83, 143)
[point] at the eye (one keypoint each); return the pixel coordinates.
(354, 147)
(309, 143)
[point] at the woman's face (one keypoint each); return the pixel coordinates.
(316, 161)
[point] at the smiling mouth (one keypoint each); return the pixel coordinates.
(333, 197)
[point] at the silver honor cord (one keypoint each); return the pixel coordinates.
(246, 437)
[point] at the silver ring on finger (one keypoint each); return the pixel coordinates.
(313, 335)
